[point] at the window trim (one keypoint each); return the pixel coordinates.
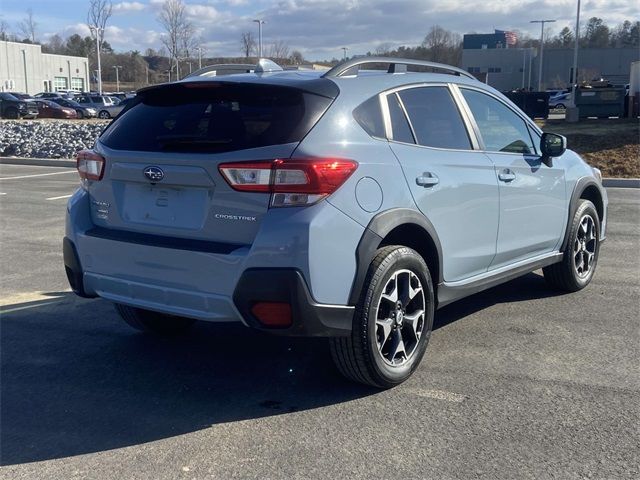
(471, 133)
(527, 121)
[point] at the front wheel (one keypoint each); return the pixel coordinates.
(154, 322)
(392, 322)
(578, 265)
(79, 114)
(104, 115)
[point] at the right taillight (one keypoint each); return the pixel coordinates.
(292, 182)
(90, 165)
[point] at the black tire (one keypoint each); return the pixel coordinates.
(104, 115)
(11, 113)
(566, 275)
(79, 114)
(154, 322)
(560, 106)
(359, 356)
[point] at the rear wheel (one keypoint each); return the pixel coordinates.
(104, 115)
(392, 323)
(79, 114)
(11, 113)
(578, 265)
(153, 322)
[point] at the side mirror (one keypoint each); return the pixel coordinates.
(552, 145)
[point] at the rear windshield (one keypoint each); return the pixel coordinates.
(215, 118)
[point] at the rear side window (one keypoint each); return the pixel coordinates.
(401, 131)
(435, 118)
(369, 116)
(96, 99)
(215, 118)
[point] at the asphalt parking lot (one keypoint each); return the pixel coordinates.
(518, 382)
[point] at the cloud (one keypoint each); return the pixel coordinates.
(125, 7)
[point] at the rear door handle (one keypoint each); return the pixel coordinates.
(507, 175)
(427, 179)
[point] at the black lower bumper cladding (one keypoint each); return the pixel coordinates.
(73, 268)
(309, 318)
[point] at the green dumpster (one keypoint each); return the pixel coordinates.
(601, 102)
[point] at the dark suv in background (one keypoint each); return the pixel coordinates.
(13, 107)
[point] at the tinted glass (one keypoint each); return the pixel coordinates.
(399, 124)
(214, 119)
(501, 129)
(369, 116)
(8, 96)
(97, 99)
(435, 118)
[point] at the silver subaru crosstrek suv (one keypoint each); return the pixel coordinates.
(349, 204)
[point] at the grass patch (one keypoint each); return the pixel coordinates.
(612, 145)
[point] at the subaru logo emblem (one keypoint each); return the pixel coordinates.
(155, 174)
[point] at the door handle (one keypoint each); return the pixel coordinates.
(506, 175)
(427, 179)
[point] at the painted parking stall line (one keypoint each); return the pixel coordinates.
(37, 175)
(60, 197)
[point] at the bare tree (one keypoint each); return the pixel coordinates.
(179, 31)
(279, 50)
(97, 17)
(383, 49)
(248, 44)
(296, 57)
(442, 45)
(28, 26)
(4, 30)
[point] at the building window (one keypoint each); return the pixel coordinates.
(60, 83)
(77, 84)
(474, 69)
(495, 69)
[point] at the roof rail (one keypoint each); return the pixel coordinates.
(264, 65)
(396, 65)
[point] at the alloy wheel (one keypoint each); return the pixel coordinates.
(400, 315)
(584, 247)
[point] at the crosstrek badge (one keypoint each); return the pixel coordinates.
(245, 218)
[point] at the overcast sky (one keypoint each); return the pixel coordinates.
(318, 28)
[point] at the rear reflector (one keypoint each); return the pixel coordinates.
(273, 314)
(90, 165)
(292, 182)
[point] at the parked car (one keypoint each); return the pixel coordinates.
(50, 95)
(50, 109)
(560, 102)
(336, 204)
(22, 96)
(13, 107)
(101, 103)
(81, 110)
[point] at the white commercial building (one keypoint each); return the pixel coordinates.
(24, 68)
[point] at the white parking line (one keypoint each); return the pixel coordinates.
(37, 175)
(60, 197)
(439, 395)
(2, 193)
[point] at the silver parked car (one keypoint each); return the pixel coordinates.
(350, 204)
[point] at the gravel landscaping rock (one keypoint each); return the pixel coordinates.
(47, 138)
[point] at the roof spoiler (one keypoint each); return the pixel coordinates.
(396, 65)
(264, 65)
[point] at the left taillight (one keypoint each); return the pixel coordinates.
(90, 165)
(292, 182)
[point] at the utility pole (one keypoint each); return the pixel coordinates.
(574, 79)
(541, 22)
(344, 50)
(260, 23)
(98, 30)
(117, 67)
(524, 65)
(199, 49)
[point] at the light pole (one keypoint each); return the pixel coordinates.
(541, 22)
(574, 79)
(260, 23)
(97, 29)
(344, 50)
(117, 67)
(199, 49)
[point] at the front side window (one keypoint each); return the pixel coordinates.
(501, 129)
(435, 118)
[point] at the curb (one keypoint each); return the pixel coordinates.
(621, 182)
(51, 162)
(39, 162)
